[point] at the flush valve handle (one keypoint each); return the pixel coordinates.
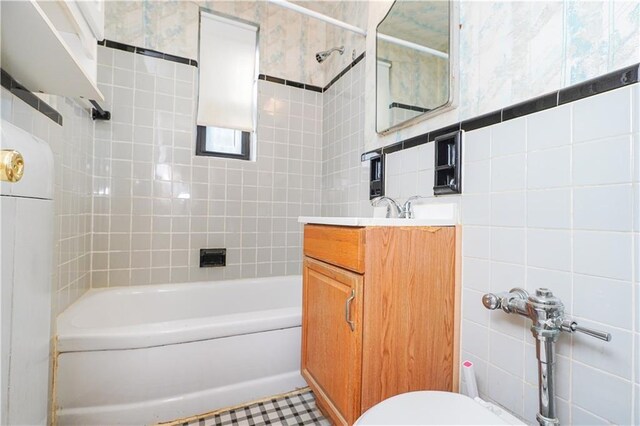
(491, 301)
(572, 327)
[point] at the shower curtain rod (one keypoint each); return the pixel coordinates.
(411, 45)
(320, 16)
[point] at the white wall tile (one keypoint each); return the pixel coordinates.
(506, 389)
(476, 242)
(549, 249)
(549, 209)
(605, 254)
(508, 173)
(636, 405)
(508, 209)
(603, 300)
(509, 137)
(615, 357)
(507, 352)
(604, 395)
(473, 309)
(476, 274)
(582, 417)
(477, 145)
(587, 115)
(476, 177)
(602, 162)
(549, 129)
(603, 208)
(550, 168)
(476, 209)
(475, 339)
(508, 245)
(505, 276)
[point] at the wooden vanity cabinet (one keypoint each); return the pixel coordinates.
(379, 314)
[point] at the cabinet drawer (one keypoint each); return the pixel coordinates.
(336, 245)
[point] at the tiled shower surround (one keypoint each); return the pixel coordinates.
(344, 177)
(550, 200)
(72, 146)
(156, 204)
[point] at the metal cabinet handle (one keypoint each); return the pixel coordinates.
(347, 310)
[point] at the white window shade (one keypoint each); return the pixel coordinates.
(227, 72)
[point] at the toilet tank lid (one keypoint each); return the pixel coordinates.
(434, 408)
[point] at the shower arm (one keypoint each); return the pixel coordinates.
(547, 314)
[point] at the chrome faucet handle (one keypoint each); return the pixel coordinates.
(572, 327)
(407, 207)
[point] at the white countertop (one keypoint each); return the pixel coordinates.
(426, 214)
(374, 221)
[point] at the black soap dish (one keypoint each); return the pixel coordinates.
(448, 164)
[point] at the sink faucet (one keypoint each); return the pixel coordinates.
(403, 212)
(391, 203)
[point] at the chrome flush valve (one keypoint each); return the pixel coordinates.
(546, 312)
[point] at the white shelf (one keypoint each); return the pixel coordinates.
(35, 54)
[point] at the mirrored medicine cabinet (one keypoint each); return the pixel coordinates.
(416, 54)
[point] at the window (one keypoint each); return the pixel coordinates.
(219, 142)
(227, 87)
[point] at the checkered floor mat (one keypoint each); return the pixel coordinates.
(292, 409)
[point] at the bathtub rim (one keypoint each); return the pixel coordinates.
(71, 338)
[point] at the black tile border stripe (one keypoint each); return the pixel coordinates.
(344, 71)
(291, 83)
(311, 87)
(29, 97)
(186, 61)
(604, 83)
(147, 52)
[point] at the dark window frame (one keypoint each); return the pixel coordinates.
(201, 145)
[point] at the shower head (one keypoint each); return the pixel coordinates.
(321, 56)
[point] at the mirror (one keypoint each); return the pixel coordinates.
(413, 79)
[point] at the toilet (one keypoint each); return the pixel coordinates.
(435, 408)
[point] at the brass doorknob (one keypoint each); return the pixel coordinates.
(11, 165)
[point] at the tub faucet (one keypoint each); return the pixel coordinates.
(403, 212)
(547, 314)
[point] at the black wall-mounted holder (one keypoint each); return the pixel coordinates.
(376, 177)
(213, 257)
(448, 164)
(97, 113)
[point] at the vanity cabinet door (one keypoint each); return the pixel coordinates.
(332, 338)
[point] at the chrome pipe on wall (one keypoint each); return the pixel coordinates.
(547, 314)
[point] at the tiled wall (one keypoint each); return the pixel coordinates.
(156, 203)
(344, 176)
(72, 146)
(551, 200)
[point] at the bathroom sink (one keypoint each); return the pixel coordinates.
(432, 214)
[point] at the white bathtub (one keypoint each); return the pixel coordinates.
(148, 354)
